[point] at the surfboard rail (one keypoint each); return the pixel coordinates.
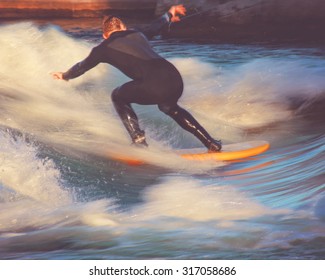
(228, 152)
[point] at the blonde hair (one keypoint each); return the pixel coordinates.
(111, 23)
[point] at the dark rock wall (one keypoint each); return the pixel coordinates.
(250, 20)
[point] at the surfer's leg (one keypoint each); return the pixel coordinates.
(190, 124)
(129, 118)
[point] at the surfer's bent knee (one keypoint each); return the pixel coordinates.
(168, 109)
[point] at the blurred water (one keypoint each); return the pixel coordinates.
(60, 199)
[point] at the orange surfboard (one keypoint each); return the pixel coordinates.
(229, 152)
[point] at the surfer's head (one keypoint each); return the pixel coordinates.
(111, 24)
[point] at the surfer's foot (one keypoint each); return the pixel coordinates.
(140, 141)
(140, 145)
(215, 146)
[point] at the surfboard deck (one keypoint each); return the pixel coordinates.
(229, 152)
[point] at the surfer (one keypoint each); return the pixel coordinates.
(155, 81)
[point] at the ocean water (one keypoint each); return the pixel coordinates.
(60, 198)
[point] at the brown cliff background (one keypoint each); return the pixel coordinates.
(72, 8)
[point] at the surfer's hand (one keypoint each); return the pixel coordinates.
(175, 11)
(57, 75)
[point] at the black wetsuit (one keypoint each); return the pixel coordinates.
(154, 79)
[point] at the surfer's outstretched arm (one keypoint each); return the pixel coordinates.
(81, 67)
(158, 25)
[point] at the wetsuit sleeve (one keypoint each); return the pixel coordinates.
(157, 26)
(83, 66)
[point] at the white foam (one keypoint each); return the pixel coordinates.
(31, 188)
(25, 173)
(33, 194)
(252, 95)
(187, 199)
